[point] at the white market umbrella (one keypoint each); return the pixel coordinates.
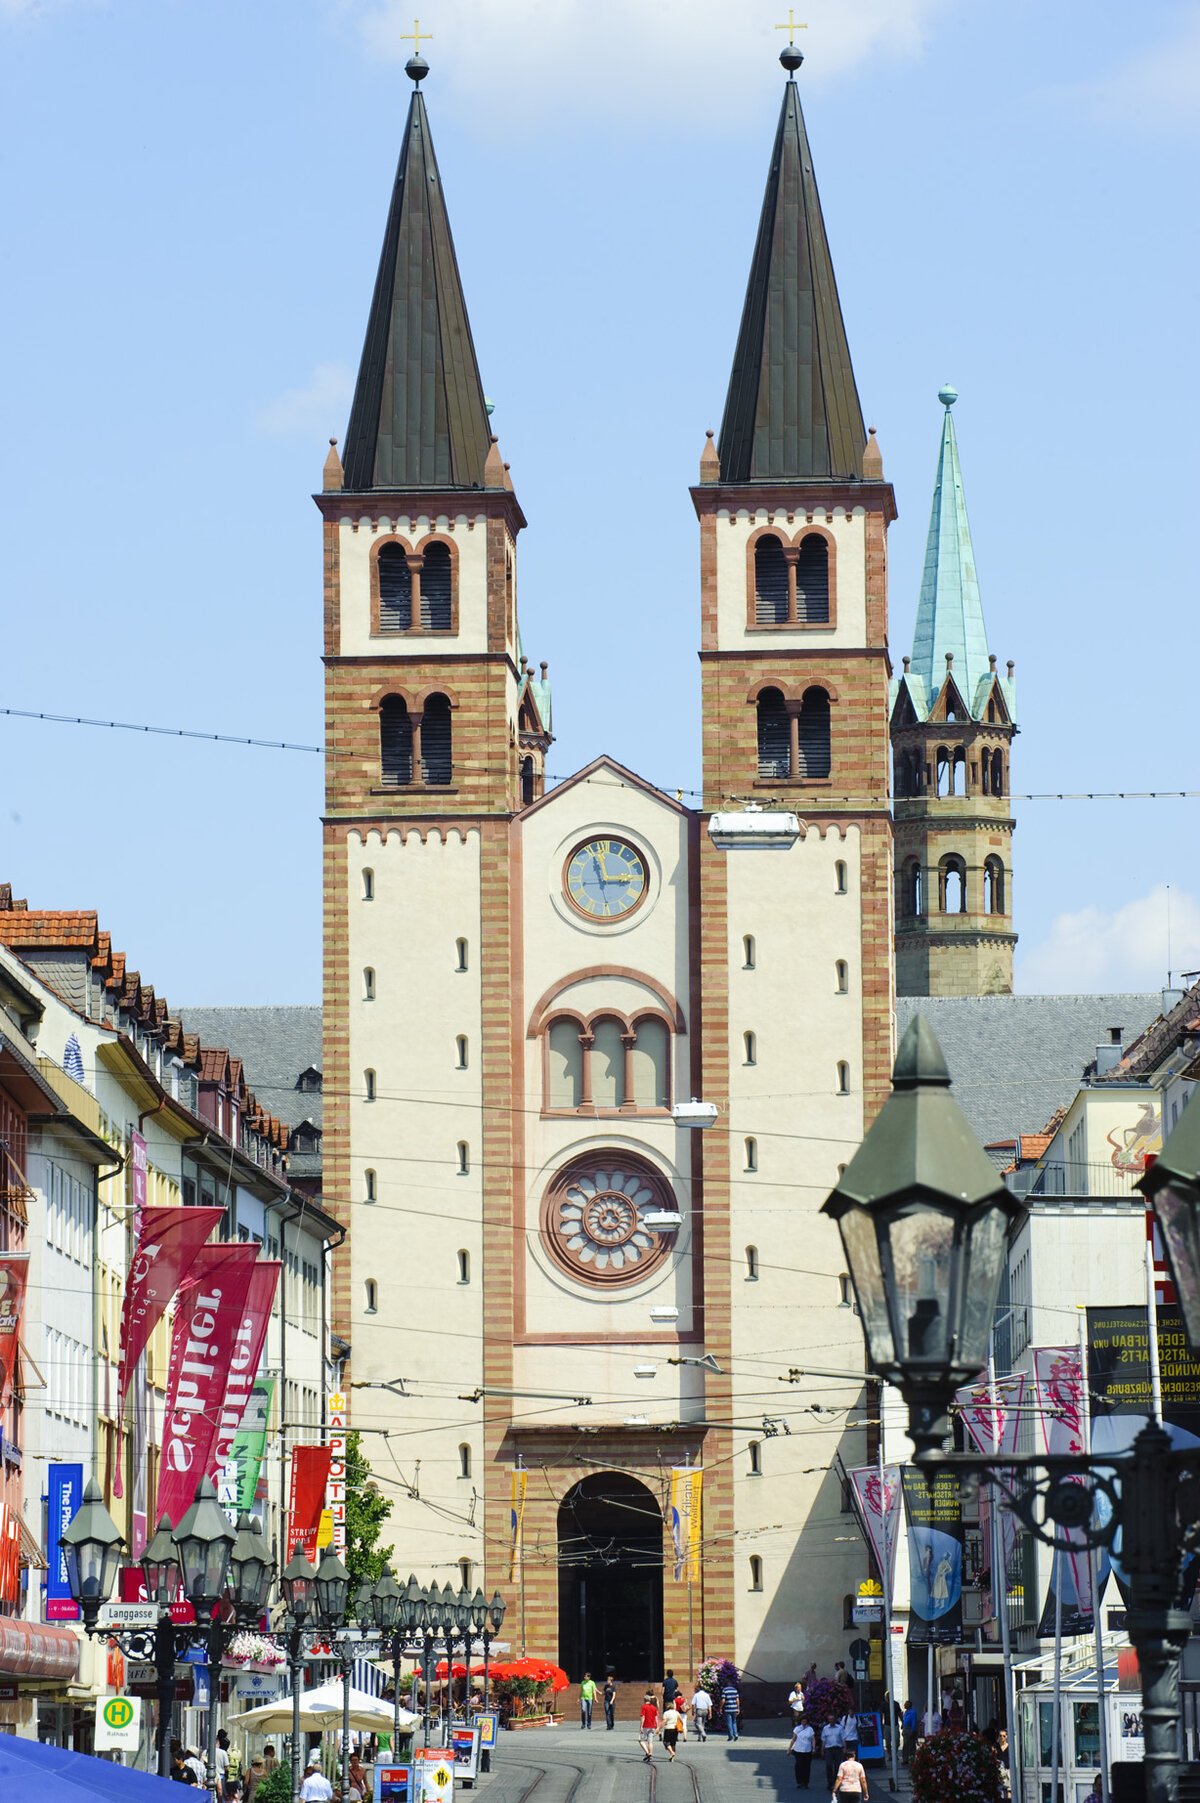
(321, 1709)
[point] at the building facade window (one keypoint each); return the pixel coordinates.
(437, 761)
(841, 971)
(756, 1572)
(607, 1063)
(460, 949)
(368, 983)
(751, 1154)
(749, 951)
(791, 584)
(993, 886)
(372, 1296)
(368, 1086)
(841, 881)
(843, 1078)
(460, 1052)
(751, 1264)
(436, 580)
(395, 742)
(395, 588)
(749, 1048)
(368, 885)
(464, 1460)
(370, 1186)
(464, 1265)
(464, 1158)
(755, 1453)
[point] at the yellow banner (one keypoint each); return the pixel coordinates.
(517, 1523)
(686, 1505)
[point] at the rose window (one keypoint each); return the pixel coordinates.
(594, 1220)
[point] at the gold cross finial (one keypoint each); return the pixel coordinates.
(793, 25)
(416, 36)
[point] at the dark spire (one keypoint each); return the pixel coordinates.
(792, 413)
(419, 419)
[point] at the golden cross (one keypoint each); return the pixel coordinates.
(793, 25)
(416, 34)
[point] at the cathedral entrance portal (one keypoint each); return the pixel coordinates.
(610, 1579)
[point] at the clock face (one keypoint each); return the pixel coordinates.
(605, 879)
(594, 1219)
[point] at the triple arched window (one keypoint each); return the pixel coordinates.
(791, 584)
(794, 742)
(607, 1062)
(413, 590)
(415, 746)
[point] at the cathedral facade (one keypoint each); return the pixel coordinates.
(557, 1289)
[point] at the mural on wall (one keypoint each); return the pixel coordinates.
(1132, 1145)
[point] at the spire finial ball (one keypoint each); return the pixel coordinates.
(416, 68)
(947, 395)
(791, 56)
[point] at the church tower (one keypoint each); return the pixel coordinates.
(953, 722)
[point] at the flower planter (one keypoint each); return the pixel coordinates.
(516, 1722)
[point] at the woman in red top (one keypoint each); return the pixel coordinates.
(649, 1727)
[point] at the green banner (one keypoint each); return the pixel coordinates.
(250, 1442)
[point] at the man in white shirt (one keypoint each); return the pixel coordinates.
(801, 1750)
(316, 1787)
(796, 1701)
(831, 1746)
(931, 1723)
(701, 1708)
(192, 1758)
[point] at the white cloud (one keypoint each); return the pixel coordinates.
(318, 408)
(629, 57)
(1156, 87)
(1098, 951)
(39, 9)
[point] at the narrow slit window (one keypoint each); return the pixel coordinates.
(460, 947)
(368, 984)
(843, 1078)
(464, 1460)
(755, 1451)
(756, 1578)
(751, 1154)
(839, 874)
(460, 1051)
(464, 1158)
(749, 952)
(842, 971)
(368, 885)
(845, 1291)
(749, 1048)
(466, 1572)
(464, 1266)
(370, 1186)
(372, 1289)
(751, 1264)
(369, 1086)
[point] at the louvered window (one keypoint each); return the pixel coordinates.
(436, 760)
(395, 590)
(435, 589)
(812, 581)
(395, 743)
(815, 759)
(770, 584)
(774, 735)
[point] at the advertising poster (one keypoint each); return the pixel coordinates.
(208, 1317)
(433, 1776)
(1058, 1376)
(168, 1243)
(933, 1510)
(64, 1495)
(246, 1454)
(243, 1366)
(465, 1745)
(516, 1522)
(686, 1481)
(310, 1472)
(488, 1723)
(879, 1512)
(391, 1783)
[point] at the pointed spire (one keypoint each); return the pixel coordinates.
(792, 413)
(950, 633)
(332, 473)
(710, 463)
(419, 418)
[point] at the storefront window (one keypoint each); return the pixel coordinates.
(1087, 1734)
(1046, 1734)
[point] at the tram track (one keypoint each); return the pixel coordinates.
(534, 1793)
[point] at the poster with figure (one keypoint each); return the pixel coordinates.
(1058, 1381)
(933, 1510)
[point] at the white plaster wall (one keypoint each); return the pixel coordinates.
(849, 536)
(355, 539)
(428, 1329)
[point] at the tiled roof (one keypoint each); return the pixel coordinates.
(28, 928)
(1162, 1037)
(275, 1045)
(1016, 1058)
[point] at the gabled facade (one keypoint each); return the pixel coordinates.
(952, 724)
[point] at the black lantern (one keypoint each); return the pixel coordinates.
(387, 1602)
(478, 1612)
(1172, 1184)
(416, 1599)
(160, 1565)
(333, 1589)
(364, 1606)
(496, 1612)
(250, 1570)
(298, 1581)
(462, 1610)
(205, 1541)
(924, 1221)
(92, 1544)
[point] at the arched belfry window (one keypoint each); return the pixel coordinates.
(952, 883)
(395, 742)
(395, 589)
(774, 734)
(436, 612)
(770, 583)
(997, 773)
(436, 760)
(812, 581)
(993, 886)
(815, 756)
(910, 889)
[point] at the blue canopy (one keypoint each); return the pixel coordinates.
(69, 1777)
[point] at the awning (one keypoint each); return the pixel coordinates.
(30, 1649)
(28, 1769)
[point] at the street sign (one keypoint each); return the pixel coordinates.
(865, 1613)
(860, 1649)
(433, 1776)
(118, 1724)
(128, 1615)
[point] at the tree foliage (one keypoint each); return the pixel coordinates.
(366, 1512)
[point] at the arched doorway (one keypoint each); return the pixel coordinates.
(610, 1578)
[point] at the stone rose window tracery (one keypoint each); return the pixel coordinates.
(594, 1219)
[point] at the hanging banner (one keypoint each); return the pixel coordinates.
(935, 1557)
(520, 1479)
(10, 1554)
(991, 1419)
(64, 1497)
(335, 1415)
(166, 1250)
(1059, 1379)
(139, 1175)
(879, 1512)
(14, 1270)
(250, 1442)
(310, 1472)
(208, 1316)
(686, 1502)
(248, 1344)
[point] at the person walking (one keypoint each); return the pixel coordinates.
(672, 1721)
(587, 1697)
(701, 1706)
(316, 1787)
(850, 1734)
(801, 1748)
(850, 1782)
(648, 1727)
(610, 1701)
(831, 1746)
(670, 1688)
(910, 1721)
(796, 1701)
(254, 1777)
(931, 1723)
(731, 1708)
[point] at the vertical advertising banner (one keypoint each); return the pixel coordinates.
(139, 1171)
(250, 1442)
(248, 1343)
(991, 1418)
(336, 1411)
(167, 1247)
(208, 1316)
(1058, 1375)
(64, 1496)
(310, 1473)
(686, 1494)
(14, 1270)
(520, 1479)
(879, 1511)
(935, 1557)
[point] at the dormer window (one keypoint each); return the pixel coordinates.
(309, 1080)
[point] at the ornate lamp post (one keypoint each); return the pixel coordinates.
(298, 1581)
(388, 1608)
(495, 1615)
(333, 1595)
(205, 1541)
(924, 1230)
(160, 1574)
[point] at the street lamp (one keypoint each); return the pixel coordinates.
(1172, 1185)
(160, 1574)
(333, 1594)
(298, 1582)
(205, 1540)
(92, 1544)
(251, 1569)
(389, 1609)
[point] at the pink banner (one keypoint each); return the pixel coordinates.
(992, 1418)
(1058, 1374)
(879, 1509)
(243, 1367)
(208, 1318)
(166, 1250)
(14, 1270)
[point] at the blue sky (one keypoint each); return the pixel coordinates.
(195, 195)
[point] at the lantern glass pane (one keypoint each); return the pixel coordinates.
(862, 1255)
(982, 1269)
(91, 1570)
(922, 1251)
(1178, 1210)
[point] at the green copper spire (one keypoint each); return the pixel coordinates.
(950, 611)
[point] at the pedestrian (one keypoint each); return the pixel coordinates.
(731, 1708)
(194, 1762)
(850, 1782)
(850, 1734)
(269, 1759)
(801, 1748)
(796, 1700)
(670, 1688)
(254, 1777)
(671, 1724)
(909, 1723)
(316, 1787)
(701, 1710)
(931, 1723)
(610, 1701)
(359, 1783)
(831, 1746)
(181, 1772)
(587, 1697)
(222, 1761)
(648, 1726)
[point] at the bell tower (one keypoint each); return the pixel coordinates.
(953, 723)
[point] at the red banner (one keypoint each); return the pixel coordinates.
(243, 1367)
(168, 1243)
(10, 1554)
(208, 1316)
(310, 1470)
(14, 1269)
